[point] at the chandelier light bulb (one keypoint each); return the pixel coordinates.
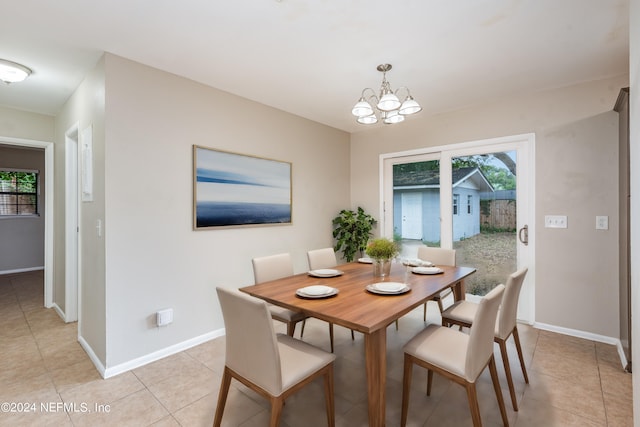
(410, 106)
(362, 108)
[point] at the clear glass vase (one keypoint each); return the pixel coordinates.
(381, 267)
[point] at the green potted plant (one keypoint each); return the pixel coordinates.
(352, 230)
(382, 251)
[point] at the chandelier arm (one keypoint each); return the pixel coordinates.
(397, 91)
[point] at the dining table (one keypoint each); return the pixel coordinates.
(355, 307)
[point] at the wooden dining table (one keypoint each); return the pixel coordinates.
(356, 308)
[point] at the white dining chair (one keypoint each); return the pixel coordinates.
(437, 256)
(274, 267)
(457, 356)
(273, 365)
(462, 313)
(319, 259)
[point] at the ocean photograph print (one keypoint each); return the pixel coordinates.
(231, 189)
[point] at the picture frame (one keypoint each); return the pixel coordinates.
(238, 190)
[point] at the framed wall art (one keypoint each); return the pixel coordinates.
(231, 189)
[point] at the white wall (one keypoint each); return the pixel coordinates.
(154, 258)
(576, 175)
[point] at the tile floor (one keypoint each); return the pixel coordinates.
(573, 382)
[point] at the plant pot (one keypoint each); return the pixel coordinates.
(381, 267)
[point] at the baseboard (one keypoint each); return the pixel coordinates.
(96, 362)
(20, 270)
(586, 335)
(160, 354)
(58, 310)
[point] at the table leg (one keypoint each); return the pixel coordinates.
(375, 345)
(459, 291)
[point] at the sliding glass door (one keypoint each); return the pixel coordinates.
(475, 198)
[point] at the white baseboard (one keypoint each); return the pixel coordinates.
(586, 335)
(97, 363)
(58, 310)
(21, 270)
(152, 357)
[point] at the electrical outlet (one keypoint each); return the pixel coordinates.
(555, 221)
(602, 223)
(164, 317)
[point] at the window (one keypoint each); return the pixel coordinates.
(456, 203)
(469, 203)
(18, 192)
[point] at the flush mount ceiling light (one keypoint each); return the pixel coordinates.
(12, 72)
(386, 106)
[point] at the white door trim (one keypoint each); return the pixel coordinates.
(525, 197)
(48, 208)
(71, 223)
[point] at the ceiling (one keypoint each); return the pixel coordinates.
(312, 58)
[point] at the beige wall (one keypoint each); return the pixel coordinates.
(83, 109)
(154, 259)
(634, 97)
(25, 125)
(576, 175)
(22, 241)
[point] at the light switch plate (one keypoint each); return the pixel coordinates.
(555, 221)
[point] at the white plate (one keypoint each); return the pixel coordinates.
(365, 260)
(325, 272)
(316, 291)
(388, 288)
(417, 263)
(427, 270)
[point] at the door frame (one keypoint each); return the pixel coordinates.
(525, 193)
(72, 223)
(48, 208)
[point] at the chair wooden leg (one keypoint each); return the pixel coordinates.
(439, 301)
(329, 397)
(516, 338)
(406, 388)
(396, 324)
(429, 381)
(507, 372)
(276, 411)
(424, 315)
(496, 386)
(304, 322)
(353, 337)
(222, 397)
(331, 335)
(291, 328)
(472, 395)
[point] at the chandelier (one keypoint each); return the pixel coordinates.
(12, 72)
(386, 106)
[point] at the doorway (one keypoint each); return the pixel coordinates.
(472, 187)
(48, 208)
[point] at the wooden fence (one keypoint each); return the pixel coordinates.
(498, 214)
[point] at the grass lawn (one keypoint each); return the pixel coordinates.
(492, 254)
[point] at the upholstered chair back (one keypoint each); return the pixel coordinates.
(480, 346)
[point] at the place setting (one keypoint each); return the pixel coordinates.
(325, 272)
(388, 288)
(427, 270)
(316, 292)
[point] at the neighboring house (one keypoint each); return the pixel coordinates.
(416, 201)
